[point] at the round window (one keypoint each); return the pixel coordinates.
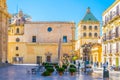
(17, 40)
(49, 29)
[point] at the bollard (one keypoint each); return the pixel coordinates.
(106, 74)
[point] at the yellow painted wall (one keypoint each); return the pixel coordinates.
(29, 51)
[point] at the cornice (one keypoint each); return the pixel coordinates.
(117, 1)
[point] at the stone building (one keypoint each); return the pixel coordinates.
(36, 42)
(4, 22)
(111, 34)
(88, 32)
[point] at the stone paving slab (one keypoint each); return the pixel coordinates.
(20, 73)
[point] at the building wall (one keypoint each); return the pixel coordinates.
(86, 39)
(111, 28)
(29, 51)
(58, 30)
(46, 42)
(97, 53)
(4, 17)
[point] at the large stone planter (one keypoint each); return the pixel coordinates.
(60, 73)
(72, 73)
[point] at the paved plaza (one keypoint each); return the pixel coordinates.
(19, 72)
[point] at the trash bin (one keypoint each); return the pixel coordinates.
(106, 74)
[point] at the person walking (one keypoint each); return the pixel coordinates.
(78, 66)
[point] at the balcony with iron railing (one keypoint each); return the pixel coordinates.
(109, 52)
(117, 35)
(112, 37)
(104, 39)
(104, 53)
(111, 18)
(114, 51)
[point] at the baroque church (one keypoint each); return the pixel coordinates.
(37, 42)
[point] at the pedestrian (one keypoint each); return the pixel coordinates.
(107, 64)
(92, 62)
(78, 65)
(104, 65)
(97, 64)
(101, 64)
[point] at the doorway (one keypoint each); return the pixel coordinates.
(39, 59)
(48, 58)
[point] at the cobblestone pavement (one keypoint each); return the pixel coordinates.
(20, 73)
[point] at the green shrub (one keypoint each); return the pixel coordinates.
(64, 66)
(45, 64)
(72, 70)
(72, 66)
(56, 66)
(48, 66)
(50, 70)
(60, 69)
(46, 73)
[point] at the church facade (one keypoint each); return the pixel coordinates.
(4, 22)
(37, 42)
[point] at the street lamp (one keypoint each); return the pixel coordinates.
(86, 51)
(71, 56)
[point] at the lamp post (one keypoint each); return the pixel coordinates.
(86, 52)
(72, 55)
(84, 55)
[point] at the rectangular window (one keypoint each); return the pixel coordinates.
(105, 49)
(117, 10)
(33, 38)
(110, 48)
(64, 39)
(48, 58)
(17, 48)
(39, 59)
(110, 15)
(117, 47)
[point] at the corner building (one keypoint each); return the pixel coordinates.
(111, 34)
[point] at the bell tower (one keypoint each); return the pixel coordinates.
(4, 18)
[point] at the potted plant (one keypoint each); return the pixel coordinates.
(46, 73)
(72, 71)
(60, 71)
(48, 66)
(56, 67)
(72, 66)
(64, 66)
(50, 69)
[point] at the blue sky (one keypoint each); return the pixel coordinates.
(59, 10)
